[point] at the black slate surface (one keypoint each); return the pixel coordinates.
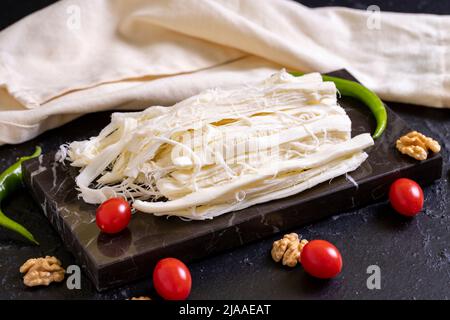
(413, 255)
(115, 260)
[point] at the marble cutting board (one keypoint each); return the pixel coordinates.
(115, 260)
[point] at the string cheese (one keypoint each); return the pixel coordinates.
(221, 150)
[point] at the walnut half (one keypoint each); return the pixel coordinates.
(140, 298)
(288, 249)
(42, 271)
(416, 145)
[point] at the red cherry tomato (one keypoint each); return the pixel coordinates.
(406, 197)
(321, 259)
(172, 279)
(113, 215)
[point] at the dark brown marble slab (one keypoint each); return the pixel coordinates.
(114, 260)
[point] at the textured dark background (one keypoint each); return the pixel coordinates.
(414, 255)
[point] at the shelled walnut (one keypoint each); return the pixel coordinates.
(288, 249)
(300, 247)
(416, 145)
(140, 298)
(42, 271)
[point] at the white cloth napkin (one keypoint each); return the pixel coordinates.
(80, 56)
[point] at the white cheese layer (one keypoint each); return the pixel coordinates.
(222, 150)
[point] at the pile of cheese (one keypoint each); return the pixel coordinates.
(221, 150)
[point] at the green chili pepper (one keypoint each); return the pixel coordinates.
(10, 181)
(369, 98)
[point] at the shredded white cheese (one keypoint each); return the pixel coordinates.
(221, 150)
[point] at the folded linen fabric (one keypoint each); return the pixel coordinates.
(78, 56)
